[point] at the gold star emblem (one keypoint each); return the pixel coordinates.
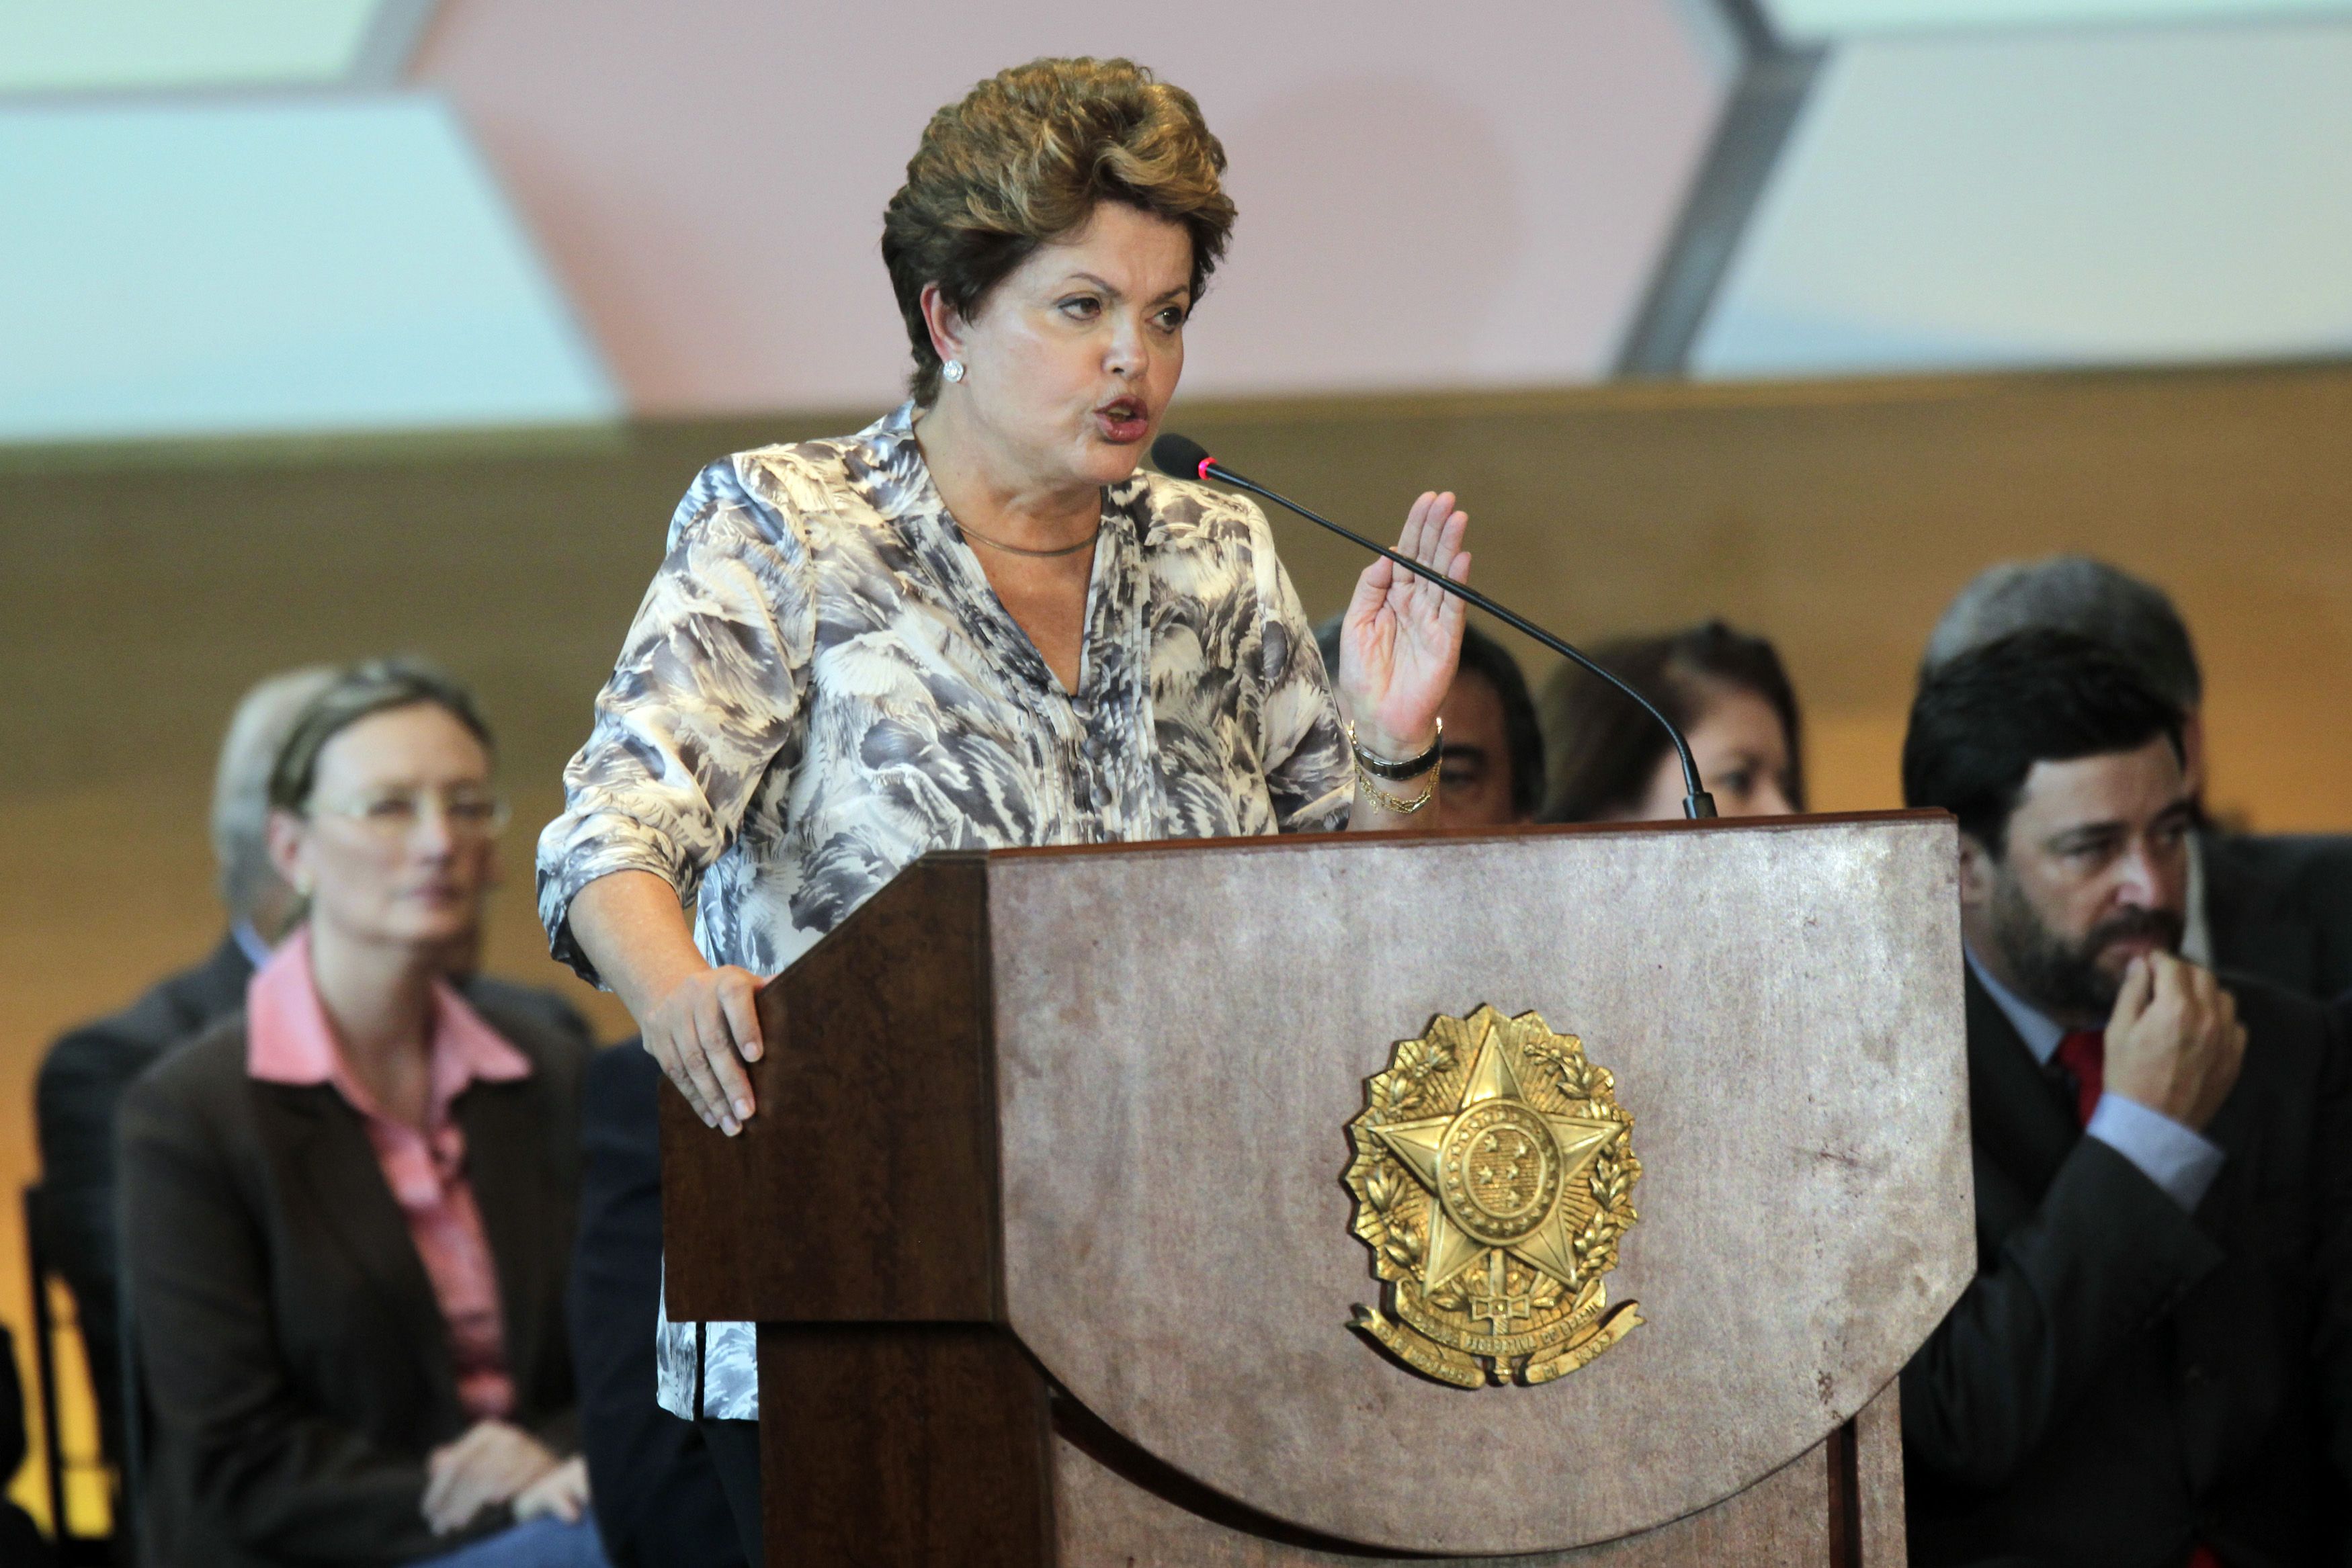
(1497, 1169)
(1493, 1179)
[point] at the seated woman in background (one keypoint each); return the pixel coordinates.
(348, 1208)
(1606, 760)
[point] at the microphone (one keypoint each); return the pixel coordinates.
(1181, 457)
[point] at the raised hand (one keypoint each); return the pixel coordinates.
(1402, 633)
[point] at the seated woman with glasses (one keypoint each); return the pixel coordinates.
(348, 1210)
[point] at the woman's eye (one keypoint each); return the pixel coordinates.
(1739, 781)
(1171, 319)
(1082, 307)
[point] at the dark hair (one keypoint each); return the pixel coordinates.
(1604, 750)
(1983, 719)
(1023, 160)
(1484, 657)
(358, 692)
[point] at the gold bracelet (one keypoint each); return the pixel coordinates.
(1388, 802)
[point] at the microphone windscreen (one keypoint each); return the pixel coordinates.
(1178, 456)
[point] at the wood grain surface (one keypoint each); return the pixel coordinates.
(1183, 1034)
(1878, 1448)
(903, 1446)
(1103, 1520)
(864, 1188)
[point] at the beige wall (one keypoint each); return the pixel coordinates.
(140, 592)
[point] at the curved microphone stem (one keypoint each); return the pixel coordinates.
(1697, 802)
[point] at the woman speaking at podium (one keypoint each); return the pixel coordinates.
(973, 624)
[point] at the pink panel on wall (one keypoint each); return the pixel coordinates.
(1431, 196)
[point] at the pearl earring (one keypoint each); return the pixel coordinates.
(952, 370)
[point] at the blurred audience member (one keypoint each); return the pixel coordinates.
(657, 1497)
(1609, 761)
(83, 1077)
(347, 1211)
(2272, 905)
(2152, 1365)
(1492, 773)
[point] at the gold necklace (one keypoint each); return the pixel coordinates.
(973, 533)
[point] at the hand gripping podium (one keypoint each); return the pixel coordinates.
(1046, 1221)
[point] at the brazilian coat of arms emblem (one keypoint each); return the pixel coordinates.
(1493, 1177)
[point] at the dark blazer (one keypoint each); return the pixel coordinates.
(658, 1503)
(76, 1100)
(2281, 908)
(294, 1361)
(2123, 1378)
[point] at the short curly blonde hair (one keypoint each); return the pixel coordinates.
(1024, 160)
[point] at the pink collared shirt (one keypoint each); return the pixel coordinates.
(289, 1041)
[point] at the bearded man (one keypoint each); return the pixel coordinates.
(2152, 1366)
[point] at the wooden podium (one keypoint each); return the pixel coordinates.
(1043, 1221)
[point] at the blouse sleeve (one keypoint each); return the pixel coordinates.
(1309, 771)
(704, 699)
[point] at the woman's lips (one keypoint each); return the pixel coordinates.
(1122, 423)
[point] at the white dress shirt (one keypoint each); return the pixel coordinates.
(2181, 1160)
(2197, 929)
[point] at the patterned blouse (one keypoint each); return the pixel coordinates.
(821, 685)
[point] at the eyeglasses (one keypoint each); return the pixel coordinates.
(395, 813)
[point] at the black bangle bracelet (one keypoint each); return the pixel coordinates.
(1397, 772)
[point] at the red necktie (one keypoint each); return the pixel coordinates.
(2084, 1054)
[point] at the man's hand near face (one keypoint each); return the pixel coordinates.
(2174, 1043)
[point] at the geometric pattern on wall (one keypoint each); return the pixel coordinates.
(247, 264)
(2110, 196)
(113, 45)
(1821, 21)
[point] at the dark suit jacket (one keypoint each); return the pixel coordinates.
(294, 1360)
(2123, 1378)
(74, 1102)
(2280, 909)
(76, 1099)
(658, 1503)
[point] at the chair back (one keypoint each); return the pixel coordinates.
(72, 1550)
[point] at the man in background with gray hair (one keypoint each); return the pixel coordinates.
(2275, 906)
(83, 1076)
